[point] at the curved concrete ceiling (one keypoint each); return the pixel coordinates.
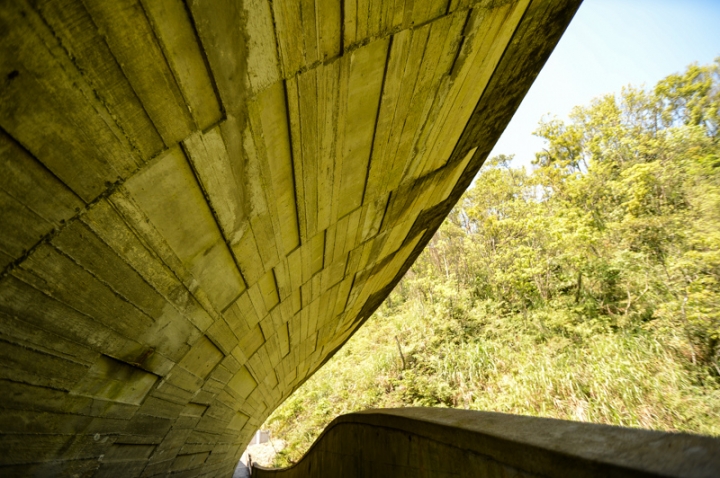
(201, 201)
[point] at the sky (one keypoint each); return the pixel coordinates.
(610, 44)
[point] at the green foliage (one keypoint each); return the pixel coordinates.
(587, 288)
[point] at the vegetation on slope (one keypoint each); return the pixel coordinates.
(585, 289)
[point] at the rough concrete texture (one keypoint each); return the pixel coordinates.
(202, 200)
(436, 442)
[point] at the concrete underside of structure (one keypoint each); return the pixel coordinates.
(200, 201)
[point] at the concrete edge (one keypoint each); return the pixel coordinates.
(545, 446)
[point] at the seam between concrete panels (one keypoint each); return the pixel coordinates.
(377, 117)
(292, 162)
(130, 85)
(206, 62)
(345, 49)
(213, 212)
(105, 195)
(160, 47)
(90, 85)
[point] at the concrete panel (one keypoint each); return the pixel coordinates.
(169, 195)
(77, 140)
(110, 379)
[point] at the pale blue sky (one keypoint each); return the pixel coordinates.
(610, 44)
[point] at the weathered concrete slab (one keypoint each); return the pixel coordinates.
(201, 201)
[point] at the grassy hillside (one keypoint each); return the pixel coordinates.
(587, 288)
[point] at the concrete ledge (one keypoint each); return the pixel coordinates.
(418, 442)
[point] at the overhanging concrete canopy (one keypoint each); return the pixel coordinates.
(201, 201)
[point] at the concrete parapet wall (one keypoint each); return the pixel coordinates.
(436, 442)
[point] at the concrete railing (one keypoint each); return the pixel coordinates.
(433, 442)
